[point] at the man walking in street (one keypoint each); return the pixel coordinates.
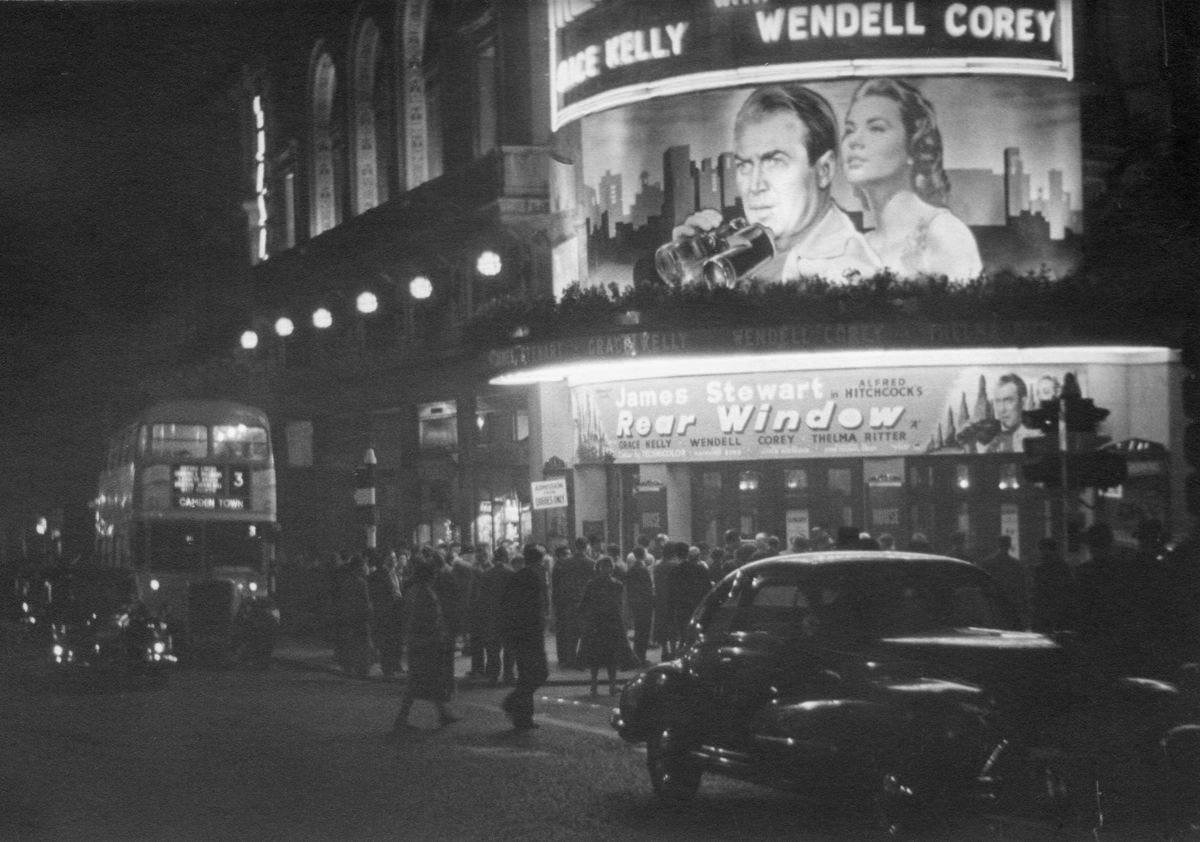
(523, 613)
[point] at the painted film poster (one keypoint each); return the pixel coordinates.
(796, 415)
(831, 140)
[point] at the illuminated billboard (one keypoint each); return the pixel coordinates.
(919, 138)
(916, 410)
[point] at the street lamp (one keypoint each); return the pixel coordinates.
(249, 340)
(367, 302)
(283, 329)
(322, 318)
(420, 287)
(489, 264)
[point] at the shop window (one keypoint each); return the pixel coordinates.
(500, 421)
(795, 480)
(502, 427)
(920, 476)
(438, 425)
(839, 481)
(748, 482)
(712, 481)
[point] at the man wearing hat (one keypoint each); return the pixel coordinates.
(523, 612)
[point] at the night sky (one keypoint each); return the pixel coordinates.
(119, 156)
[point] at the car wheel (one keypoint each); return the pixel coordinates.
(674, 775)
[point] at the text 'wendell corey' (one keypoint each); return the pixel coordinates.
(802, 22)
(879, 20)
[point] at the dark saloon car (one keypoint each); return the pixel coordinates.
(897, 681)
(92, 618)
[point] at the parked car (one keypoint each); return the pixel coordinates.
(92, 618)
(897, 681)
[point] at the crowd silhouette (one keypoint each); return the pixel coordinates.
(412, 611)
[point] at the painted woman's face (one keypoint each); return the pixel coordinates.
(874, 143)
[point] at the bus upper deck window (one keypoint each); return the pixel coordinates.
(175, 440)
(240, 441)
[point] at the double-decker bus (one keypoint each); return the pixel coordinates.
(187, 501)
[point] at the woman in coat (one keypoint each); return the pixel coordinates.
(426, 638)
(603, 640)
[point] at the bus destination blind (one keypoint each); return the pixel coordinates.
(210, 487)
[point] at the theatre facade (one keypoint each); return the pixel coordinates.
(793, 428)
(884, 419)
(574, 383)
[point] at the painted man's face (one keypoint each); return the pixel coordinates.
(780, 187)
(1008, 406)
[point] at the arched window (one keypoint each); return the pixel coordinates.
(416, 105)
(322, 167)
(370, 120)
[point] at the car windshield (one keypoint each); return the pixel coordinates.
(867, 601)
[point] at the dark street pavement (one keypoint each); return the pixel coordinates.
(314, 653)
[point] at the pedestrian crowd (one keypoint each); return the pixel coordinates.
(608, 608)
(1130, 604)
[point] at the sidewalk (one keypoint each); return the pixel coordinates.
(316, 654)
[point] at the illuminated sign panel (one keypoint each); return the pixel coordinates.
(931, 138)
(210, 487)
(607, 54)
(798, 415)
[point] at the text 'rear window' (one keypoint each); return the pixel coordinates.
(178, 440)
(239, 441)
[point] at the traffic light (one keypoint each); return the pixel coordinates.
(1044, 466)
(1083, 416)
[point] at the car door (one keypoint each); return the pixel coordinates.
(752, 650)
